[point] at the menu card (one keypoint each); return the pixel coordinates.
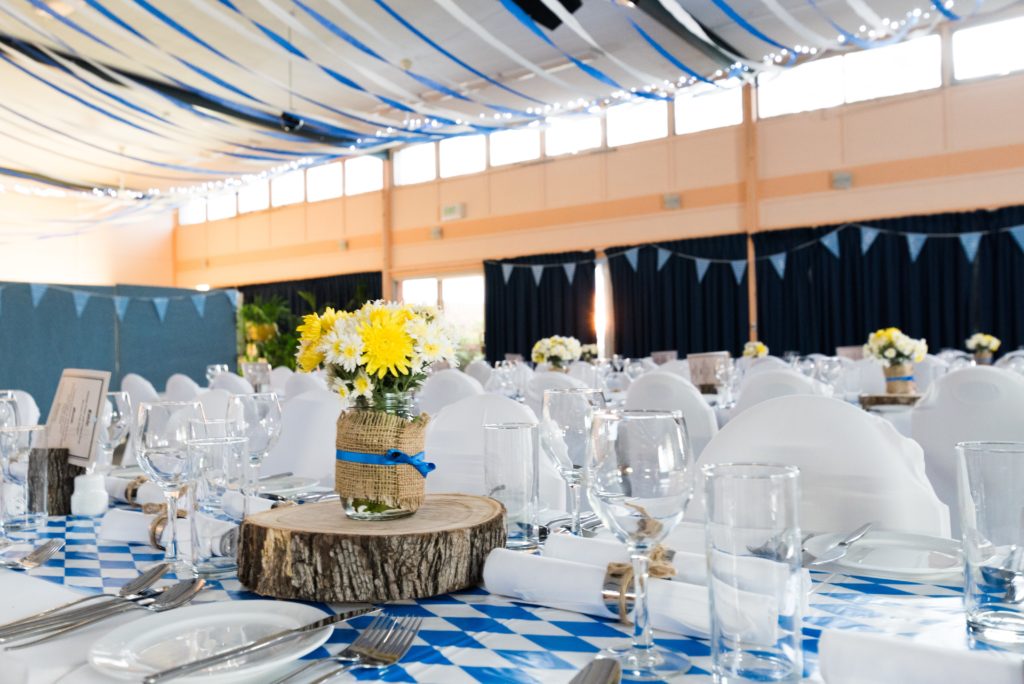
(73, 420)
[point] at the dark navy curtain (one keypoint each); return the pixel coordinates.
(520, 312)
(824, 301)
(669, 308)
(347, 291)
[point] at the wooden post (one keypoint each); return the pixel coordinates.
(386, 237)
(751, 206)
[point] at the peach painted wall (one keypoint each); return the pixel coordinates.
(956, 148)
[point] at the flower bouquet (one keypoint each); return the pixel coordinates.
(983, 347)
(375, 357)
(755, 349)
(588, 352)
(897, 352)
(557, 351)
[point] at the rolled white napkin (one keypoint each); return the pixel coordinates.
(847, 657)
(690, 567)
(148, 492)
(233, 503)
(132, 527)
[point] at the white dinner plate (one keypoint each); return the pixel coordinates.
(896, 555)
(292, 484)
(161, 641)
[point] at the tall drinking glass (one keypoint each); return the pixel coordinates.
(213, 541)
(510, 476)
(640, 482)
(23, 453)
(115, 418)
(258, 418)
(8, 409)
(161, 433)
(754, 576)
(565, 438)
(990, 479)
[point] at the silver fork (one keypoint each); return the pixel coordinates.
(35, 557)
(382, 644)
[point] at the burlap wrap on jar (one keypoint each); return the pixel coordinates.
(899, 379)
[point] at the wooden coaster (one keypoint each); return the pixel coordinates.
(315, 553)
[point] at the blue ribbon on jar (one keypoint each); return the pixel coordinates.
(900, 378)
(390, 458)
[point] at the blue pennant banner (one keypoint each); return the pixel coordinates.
(739, 268)
(970, 242)
(867, 238)
(232, 297)
(631, 256)
(1017, 233)
(570, 270)
(81, 299)
(915, 243)
(199, 301)
(538, 273)
(37, 293)
(160, 304)
(663, 255)
(831, 243)
(506, 272)
(779, 262)
(121, 306)
(702, 268)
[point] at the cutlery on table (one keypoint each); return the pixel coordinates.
(840, 548)
(383, 643)
(35, 557)
(132, 589)
(600, 671)
(172, 597)
(254, 647)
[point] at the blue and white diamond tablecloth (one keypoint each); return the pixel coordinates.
(475, 636)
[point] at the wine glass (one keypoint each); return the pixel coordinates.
(161, 433)
(24, 505)
(215, 369)
(641, 478)
(726, 375)
(258, 418)
(830, 370)
(806, 366)
(565, 438)
(8, 409)
(115, 417)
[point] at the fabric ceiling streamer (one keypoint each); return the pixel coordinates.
(815, 39)
(751, 29)
(666, 54)
(853, 39)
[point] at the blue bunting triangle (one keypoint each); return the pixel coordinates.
(1017, 232)
(779, 263)
(121, 307)
(915, 243)
(160, 304)
(631, 256)
(570, 270)
(663, 255)
(199, 301)
(970, 242)
(702, 268)
(506, 272)
(81, 299)
(538, 273)
(37, 293)
(739, 268)
(831, 243)
(867, 238)
(233, 298)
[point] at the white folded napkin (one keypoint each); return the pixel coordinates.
(132, 527)
(847, 657)
(233, 503)
(690, 567)
(148, 492)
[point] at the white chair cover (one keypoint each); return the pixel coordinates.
(680, 367)
(28, 410)
(234, 384)
(215, 403)
(480, 370)
(534, 395)
(971, 404)
(668, 392)
(765, 364)
(928, 371)
(180, 387)
(300, 383)
(279, 378)
(584, 372)
(308, 432)
(854, 467)
(455, 443)
(446, 387)
(139, 389)
(771, 385)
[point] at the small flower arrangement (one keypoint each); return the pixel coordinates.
(755, 349)
(981, 342)
(891, 347)
(588, 352)
(382, 348)
(556, 351)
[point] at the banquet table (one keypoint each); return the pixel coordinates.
(475, 636)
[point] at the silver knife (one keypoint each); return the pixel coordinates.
(836, 552)
(600, 671)
(258, 645)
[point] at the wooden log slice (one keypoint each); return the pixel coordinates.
(868, 401)
(314, 552)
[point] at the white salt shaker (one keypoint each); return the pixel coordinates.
(90, 497)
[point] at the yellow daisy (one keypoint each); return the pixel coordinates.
(387, 346)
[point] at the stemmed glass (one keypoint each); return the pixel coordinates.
(215, 369)
(726, 374)
(161, 432)
(8, 409)
(115, 417)
(258, 418)
(830, 370)
(565, 438)
(641, 479)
